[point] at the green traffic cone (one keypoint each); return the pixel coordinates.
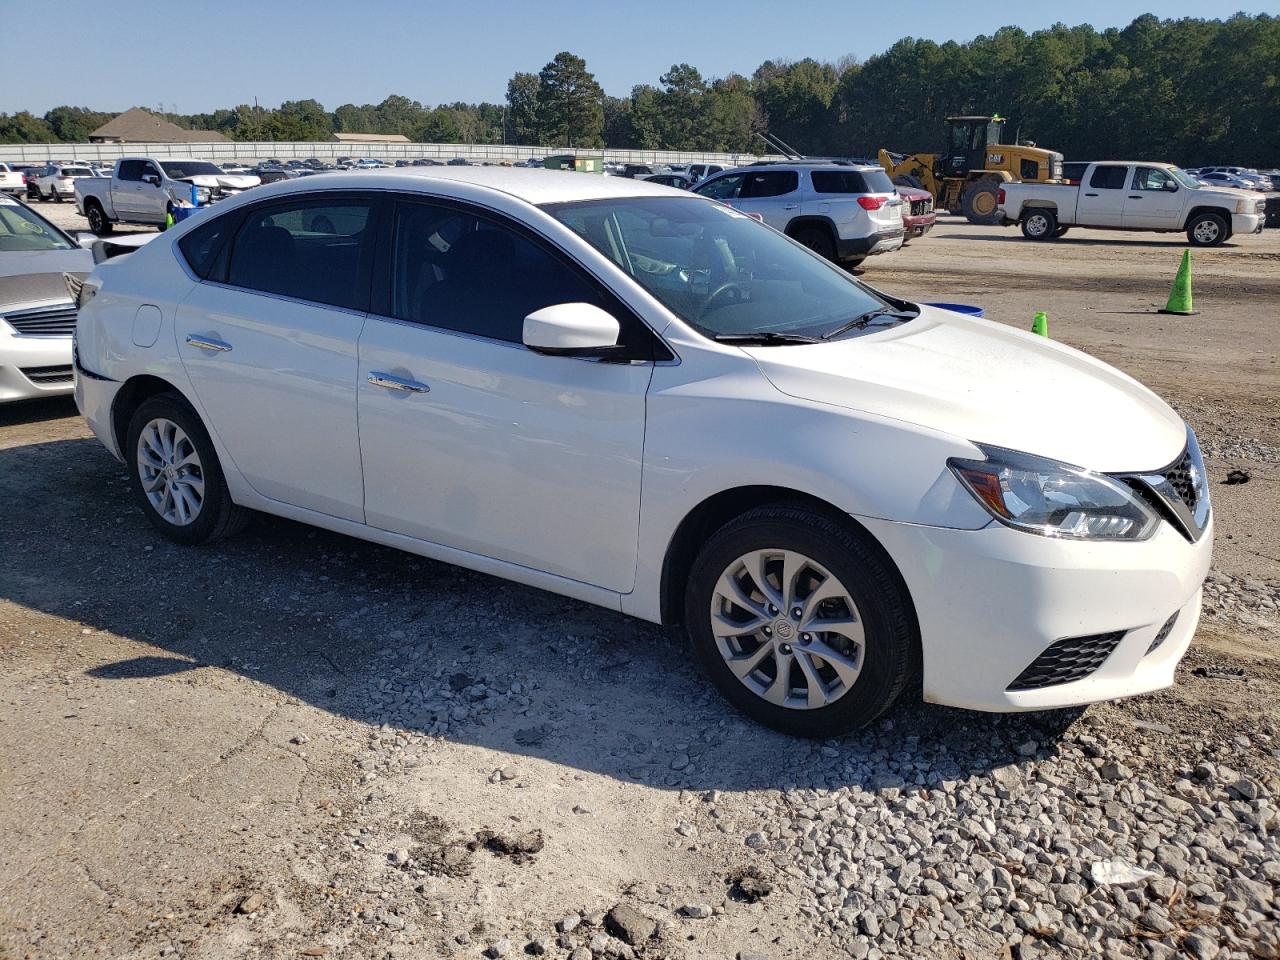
(1041, 324)
(1180, 296)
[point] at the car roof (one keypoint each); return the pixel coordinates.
(524, 183)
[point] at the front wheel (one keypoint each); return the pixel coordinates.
(175, 474)
(98, 222)
(1040, 225)
(1207, 230)
(801, 622)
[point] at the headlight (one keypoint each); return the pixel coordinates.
(1053, 499)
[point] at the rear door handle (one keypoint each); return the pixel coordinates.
(791, 206)
(1134, 196)
(391, 382)
(1090, 194)
(209, 343)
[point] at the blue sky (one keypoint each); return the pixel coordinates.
(195, 57)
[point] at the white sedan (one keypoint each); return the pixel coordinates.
(643, 399)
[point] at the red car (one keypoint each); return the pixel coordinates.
(920, 219)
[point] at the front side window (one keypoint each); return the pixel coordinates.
(771, 183)
(722, 188)
(458, 271)
(1109, 178)
(718, 270)
(1151, 178)
(316, 250)
(130, 170)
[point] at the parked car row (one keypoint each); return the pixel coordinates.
(1244, 178)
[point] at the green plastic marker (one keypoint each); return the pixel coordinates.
(1041, 324)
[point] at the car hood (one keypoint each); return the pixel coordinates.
(233, 181)
(1233, 193)
(35, 276)
(987, 383)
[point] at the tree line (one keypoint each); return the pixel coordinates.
(1190, 91)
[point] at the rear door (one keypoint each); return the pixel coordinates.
(772, 195)
(270, 343)
(1154, 200)
(1101, 202)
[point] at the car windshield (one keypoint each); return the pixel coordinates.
(1184, 178)
(23, 230)
(723, 273)
(178, 169)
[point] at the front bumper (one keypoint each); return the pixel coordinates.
(33, 367)
(990, 601)
(1247, 222)
(919, 226)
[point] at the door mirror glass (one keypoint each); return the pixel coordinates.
(572, 330)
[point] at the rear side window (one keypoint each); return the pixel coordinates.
(319, 250)
(771, 183)
(1109, 178)
(202, 247)
(851, 181)
(131, 169)
(77, 172)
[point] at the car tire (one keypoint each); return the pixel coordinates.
(1060, 232)
(57, 197)
(877, 645)
(97, 217)
(1207, 230)
(817, 240)
(980, 202)
(175, 474)
(1040, 224)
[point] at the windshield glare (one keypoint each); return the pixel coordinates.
(178, 169)
(22, 230)
(721, 272)
(1184, 178)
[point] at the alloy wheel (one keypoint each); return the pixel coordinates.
(170, 471)
(1206, 231)
(788, 629)
(1037, 224)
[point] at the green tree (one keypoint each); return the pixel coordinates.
(23, 127)
(74, 124)
(570, 108)
(522, 107)
(300, 120)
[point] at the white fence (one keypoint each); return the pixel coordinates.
(253, 152)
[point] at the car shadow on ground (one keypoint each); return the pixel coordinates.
(380, 636)
(33, 411)
(1175, 240)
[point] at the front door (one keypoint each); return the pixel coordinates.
(471, 440)
(1153, 201)
(271, 349)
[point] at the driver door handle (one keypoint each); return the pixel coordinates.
(391, 382)
(1134, 196)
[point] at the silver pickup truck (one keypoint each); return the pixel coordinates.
(1123, 195)
(146, 189)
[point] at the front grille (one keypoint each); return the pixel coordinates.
(920, 207)
(1072, 658)
(59, 321)
(48, 376)
(1163, 635)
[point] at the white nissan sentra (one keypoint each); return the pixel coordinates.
(646, 400)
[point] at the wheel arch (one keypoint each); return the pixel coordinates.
(1034, 205)
(718, 509)
(1194, 212)
(809, 222)
(132, 394)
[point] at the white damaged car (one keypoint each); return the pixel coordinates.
(643, 399)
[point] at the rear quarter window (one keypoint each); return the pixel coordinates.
(851, 181)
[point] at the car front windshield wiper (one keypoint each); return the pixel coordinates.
(763, 337)
(866, 319)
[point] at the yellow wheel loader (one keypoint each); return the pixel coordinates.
(967, 177)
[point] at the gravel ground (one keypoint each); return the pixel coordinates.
(296, 744)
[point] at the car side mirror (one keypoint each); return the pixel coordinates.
(1170, 186)
(573, 330)
(84, 239)
(151, 178)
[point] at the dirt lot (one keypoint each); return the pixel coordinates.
(293, 744)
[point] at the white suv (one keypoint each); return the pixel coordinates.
(642, 399)
(59, 183)
(844, 212)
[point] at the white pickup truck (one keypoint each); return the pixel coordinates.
(11, 181)
(146, 189)
(1124, 195)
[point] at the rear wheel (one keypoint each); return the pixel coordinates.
(817, 240)
(1207, 230)
(801, 622)
(98, 221)
(1039, 224)
(175, 474)
(1060, 232)
(980, 202)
